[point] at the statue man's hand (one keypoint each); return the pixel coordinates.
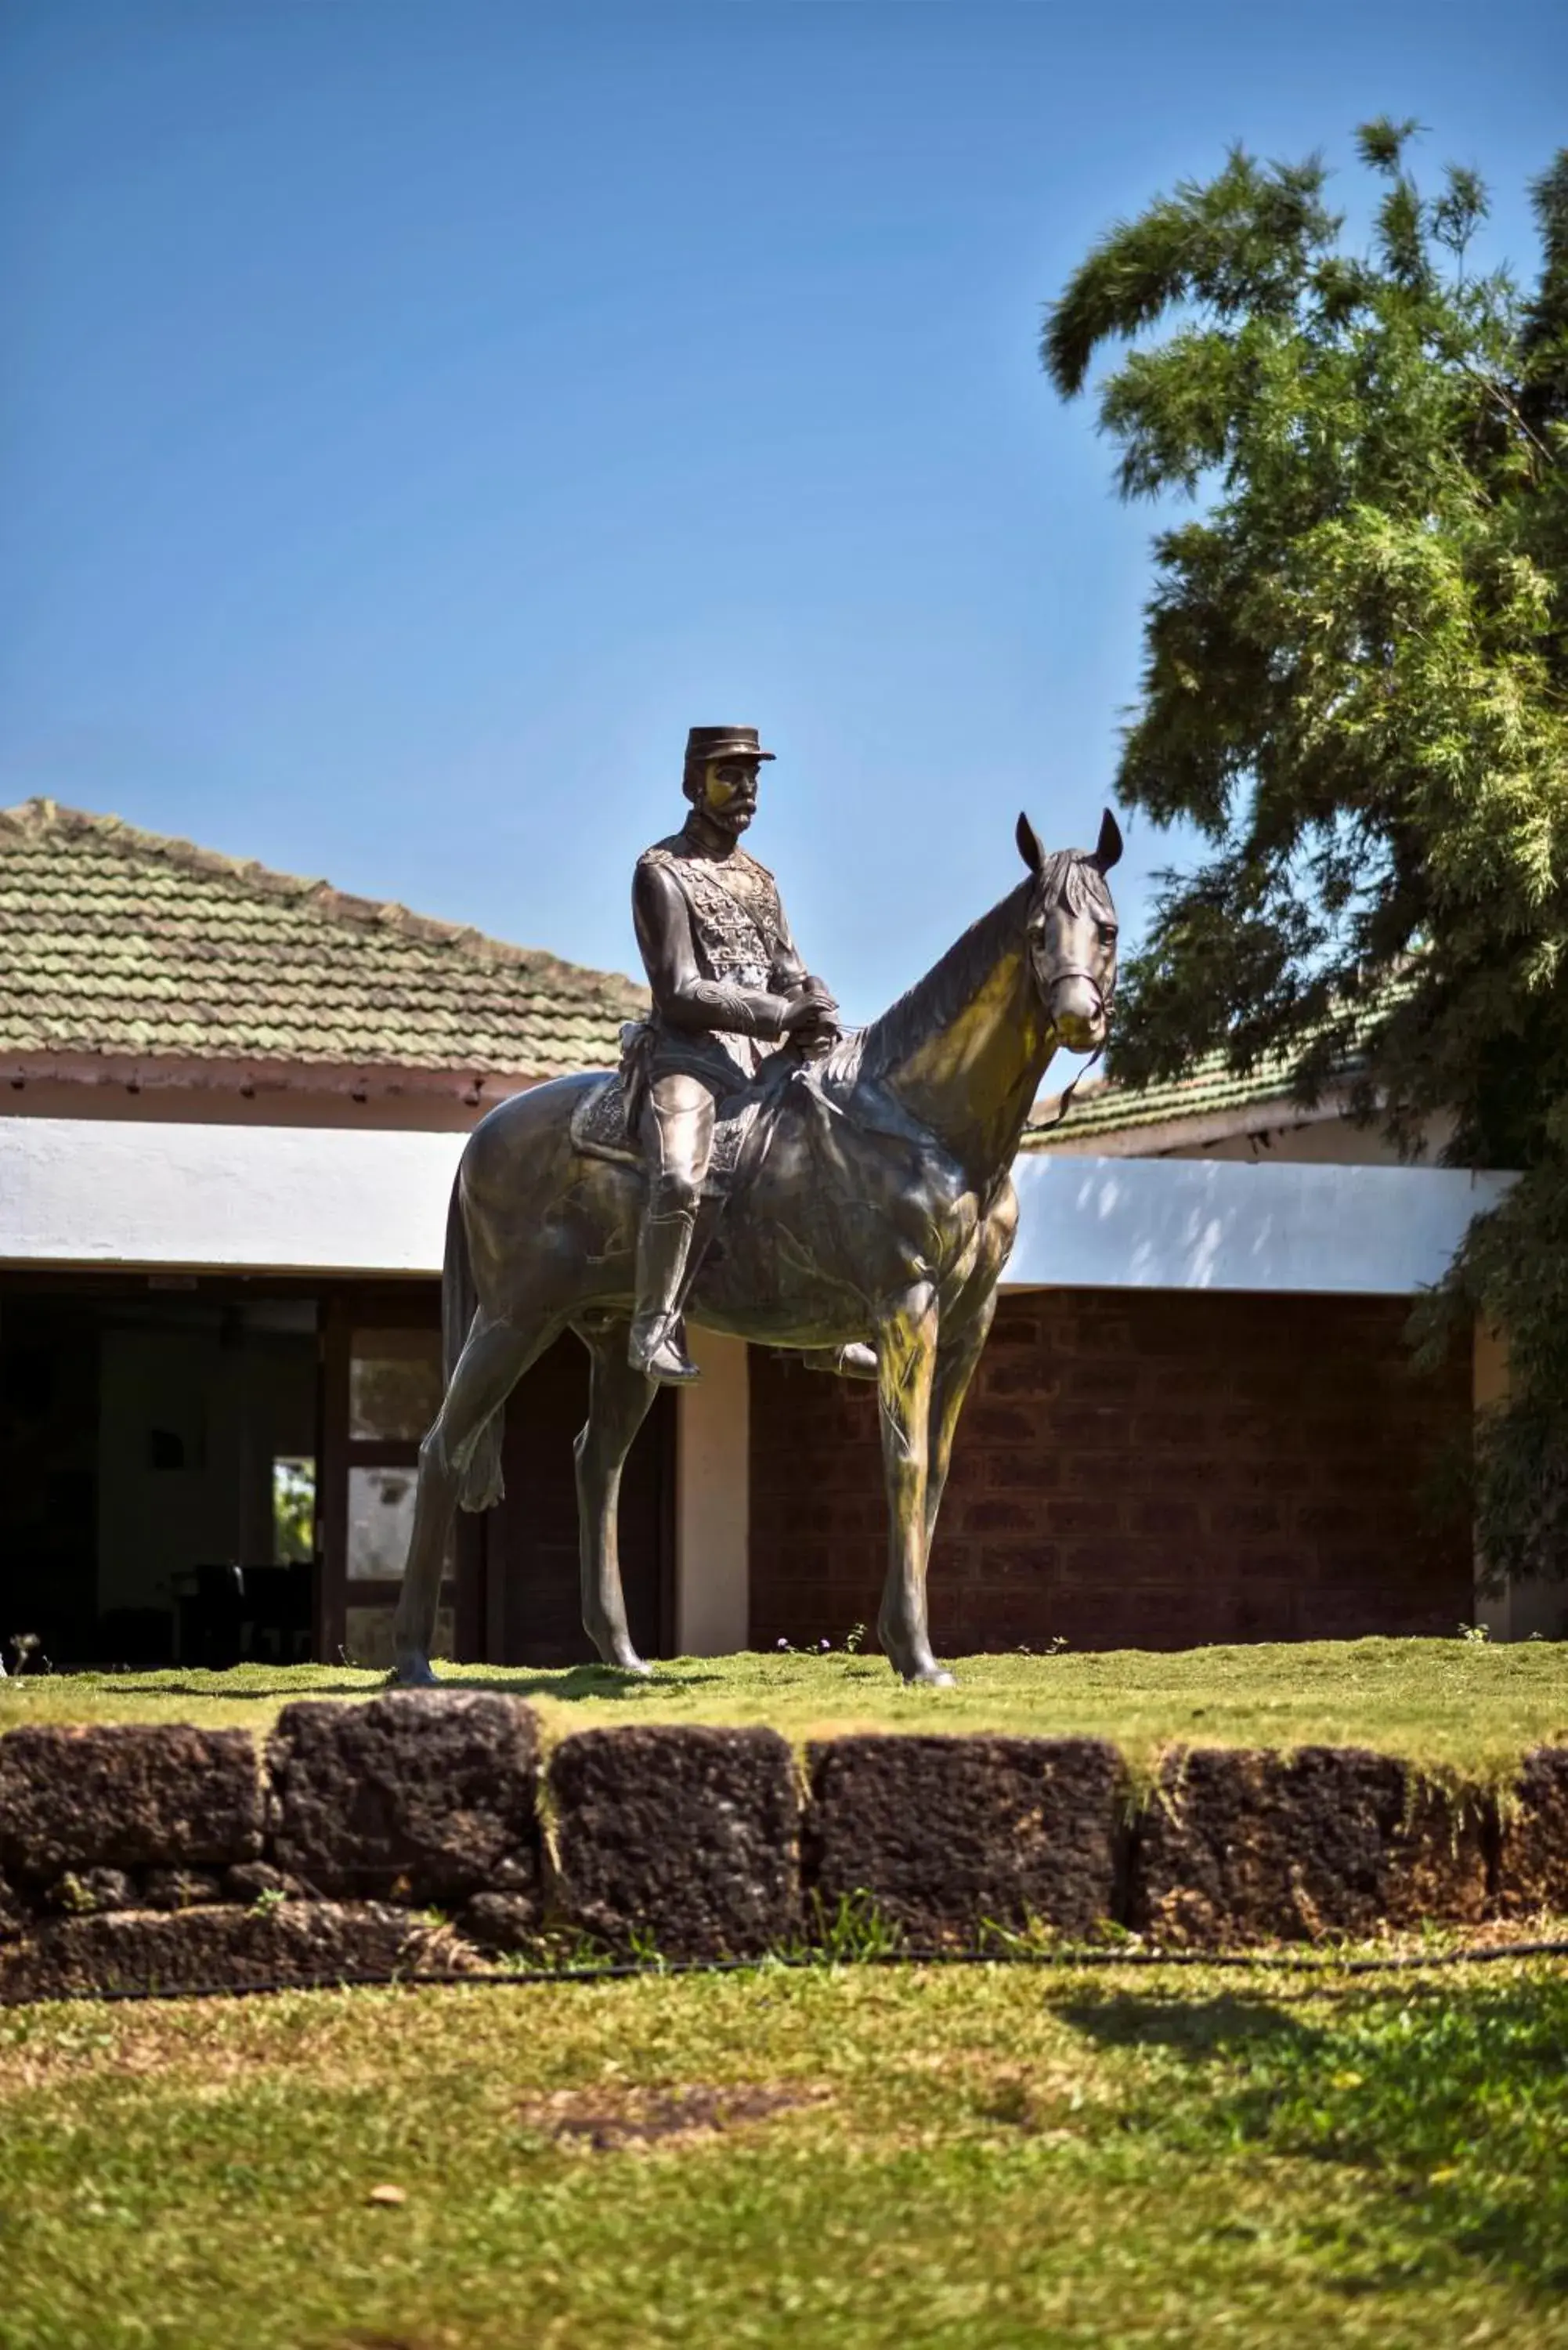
(813, 1018)
(811, 990)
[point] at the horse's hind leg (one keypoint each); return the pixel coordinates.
(492, 1360)
(618, 1400)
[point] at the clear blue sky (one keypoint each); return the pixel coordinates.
(414, 413)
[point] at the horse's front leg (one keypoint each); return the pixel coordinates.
(958, 1358)
(906, 1362)
(964, 1331)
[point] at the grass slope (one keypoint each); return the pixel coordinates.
(973, 2160)
(1449, 1703)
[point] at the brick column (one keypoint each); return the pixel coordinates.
(1520, 1608)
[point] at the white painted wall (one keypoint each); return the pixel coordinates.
(104, 1192)
(713, 1500)
(80, 1192)
(1204, 1223)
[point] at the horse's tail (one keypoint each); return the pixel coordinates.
(482, 1484)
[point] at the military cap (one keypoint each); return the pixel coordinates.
(705, 744)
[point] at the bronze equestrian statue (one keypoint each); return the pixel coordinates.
(844, 1196)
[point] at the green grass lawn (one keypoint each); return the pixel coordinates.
(841, 2159)
(1449, 1703)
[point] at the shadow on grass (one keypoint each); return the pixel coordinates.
(1450, 2102)
(578, 1681)
(1197, 2030)
(565, 1684)
(214, 1685)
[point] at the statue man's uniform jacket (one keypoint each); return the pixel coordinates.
(742, 970)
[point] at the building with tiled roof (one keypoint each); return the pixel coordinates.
(137, 962)
(1209, 1106)
(1213, 1110)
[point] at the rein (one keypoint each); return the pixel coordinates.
(1051, 1124)
(1072, 971)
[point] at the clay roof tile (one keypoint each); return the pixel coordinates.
(122, 941)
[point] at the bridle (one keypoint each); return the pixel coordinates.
(1105, 997)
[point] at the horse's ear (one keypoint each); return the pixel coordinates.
(1108, 847)
(1029, 847)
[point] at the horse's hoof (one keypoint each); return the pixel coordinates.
(932, 1676)
(616, 1654)
(413, 1671)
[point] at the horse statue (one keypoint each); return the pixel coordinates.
(869, 1200)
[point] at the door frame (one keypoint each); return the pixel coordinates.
(347, 1308)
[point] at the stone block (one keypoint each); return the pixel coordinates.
(162, 1952)
(126, 1796)
(945, 1835)
(1241, 1846)
(1532, 1857)
(684, 1838)
(423, 1795)
(500, 1922)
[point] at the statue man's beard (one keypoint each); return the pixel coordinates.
(729, 822)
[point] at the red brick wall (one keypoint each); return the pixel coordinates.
(1136, 1469)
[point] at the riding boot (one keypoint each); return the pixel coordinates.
(658, 1344)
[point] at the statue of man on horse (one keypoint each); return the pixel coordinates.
(844, 1197)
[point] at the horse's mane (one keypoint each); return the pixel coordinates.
(1069, 877)
(933, 1001)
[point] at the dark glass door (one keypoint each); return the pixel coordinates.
(382, 1389)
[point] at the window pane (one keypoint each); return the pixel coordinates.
(394, 1383)
(368, 1636)
(380, 1520)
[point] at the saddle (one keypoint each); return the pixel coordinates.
(598, 1129)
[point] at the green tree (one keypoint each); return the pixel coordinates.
(292, 1510)
(1356, 690)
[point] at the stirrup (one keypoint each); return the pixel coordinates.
(663, 1357)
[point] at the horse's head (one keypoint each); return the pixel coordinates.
(1073, 933)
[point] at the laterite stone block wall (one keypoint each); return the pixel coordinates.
(1137, 1469)
(413, 1836)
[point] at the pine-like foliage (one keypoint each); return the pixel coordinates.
(1355, 686)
